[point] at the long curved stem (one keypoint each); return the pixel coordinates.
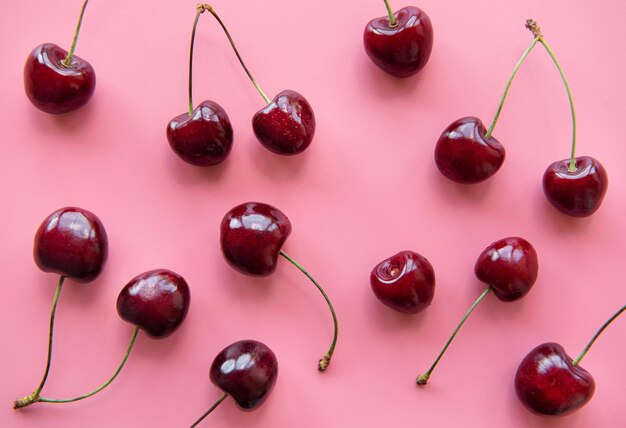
(325, 361)
(232, 43)
(598, 333)
(217, 403)
(393, 22)
(104, 385)
(68, 59)
(423, 378)
(508, 85)
(199, 11)
(32, 398)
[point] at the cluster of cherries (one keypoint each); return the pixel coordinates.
(72, 242)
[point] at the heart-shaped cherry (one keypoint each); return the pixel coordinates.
(57, 81)
(510, 267)
(157, 301)
(252, 235)
(548, 382)
(286, 126)
(245, 370)
(399, 44)
(404, 282)
(204, 136)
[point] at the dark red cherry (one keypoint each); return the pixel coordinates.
(287, 125)
(73, 243)
(577, 193)
(401, 50)
(252, 235)
(404, 282)
(245, 370)
(203, 138)
(54, 87)
(510, 266)
(157, 301)
(548, 383)
(464, 155)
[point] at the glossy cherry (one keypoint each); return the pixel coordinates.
(399, 44)
(73, 243)
(404, 282)
(157, 301)
(578, 192)
(464, 154)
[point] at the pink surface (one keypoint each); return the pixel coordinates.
(365, 189)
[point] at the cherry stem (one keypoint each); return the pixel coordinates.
(508, 86)
(393, 22)
(423, 378)
(68, 59)
(104, 385)
(325, 361)
(217, 403)
(598, 333)
(232, 43)
(199, 10)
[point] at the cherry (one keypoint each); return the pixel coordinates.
(399, 44)
(204, 136)
(404, 282)
(157, 301)
(286, 126)
(510, 267)
(57, 81)
(548, 382)
(245, 370)
(252, 235)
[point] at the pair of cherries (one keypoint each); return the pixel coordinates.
(204, 135)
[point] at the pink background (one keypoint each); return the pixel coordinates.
(365, 189)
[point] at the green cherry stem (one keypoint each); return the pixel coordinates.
(393, 22)
(232, 43)
(325, 361)
(199, 10)
(68, 59)
(217, 403)
(598, 333)
(423, 378)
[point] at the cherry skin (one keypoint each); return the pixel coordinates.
(464, 155)
(157, 301)
(401, 50)
(203, 138)
(404, 282)
(245, 370)
(547, 382)
(252, 235)
(287, 125)
(576, 193)
(73, 243)
(510, 266)
(54, 87)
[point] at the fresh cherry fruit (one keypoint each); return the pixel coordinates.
(400, 44)
(510, 266)
(287, 125)
(157, 301)
(548, 383)
(464, 154)
(203, 138)
(404, 282)
(578, 193)
(73, 243)
(245, 370)
(252, 235)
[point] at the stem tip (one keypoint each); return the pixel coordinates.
(422, 379)
(324, 362)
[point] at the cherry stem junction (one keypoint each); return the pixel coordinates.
(393, 22)
(598, 333)
(232, 43)
(217, 403)
(423, 378)
(68, 59)
(325, 361)
(199, 9)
